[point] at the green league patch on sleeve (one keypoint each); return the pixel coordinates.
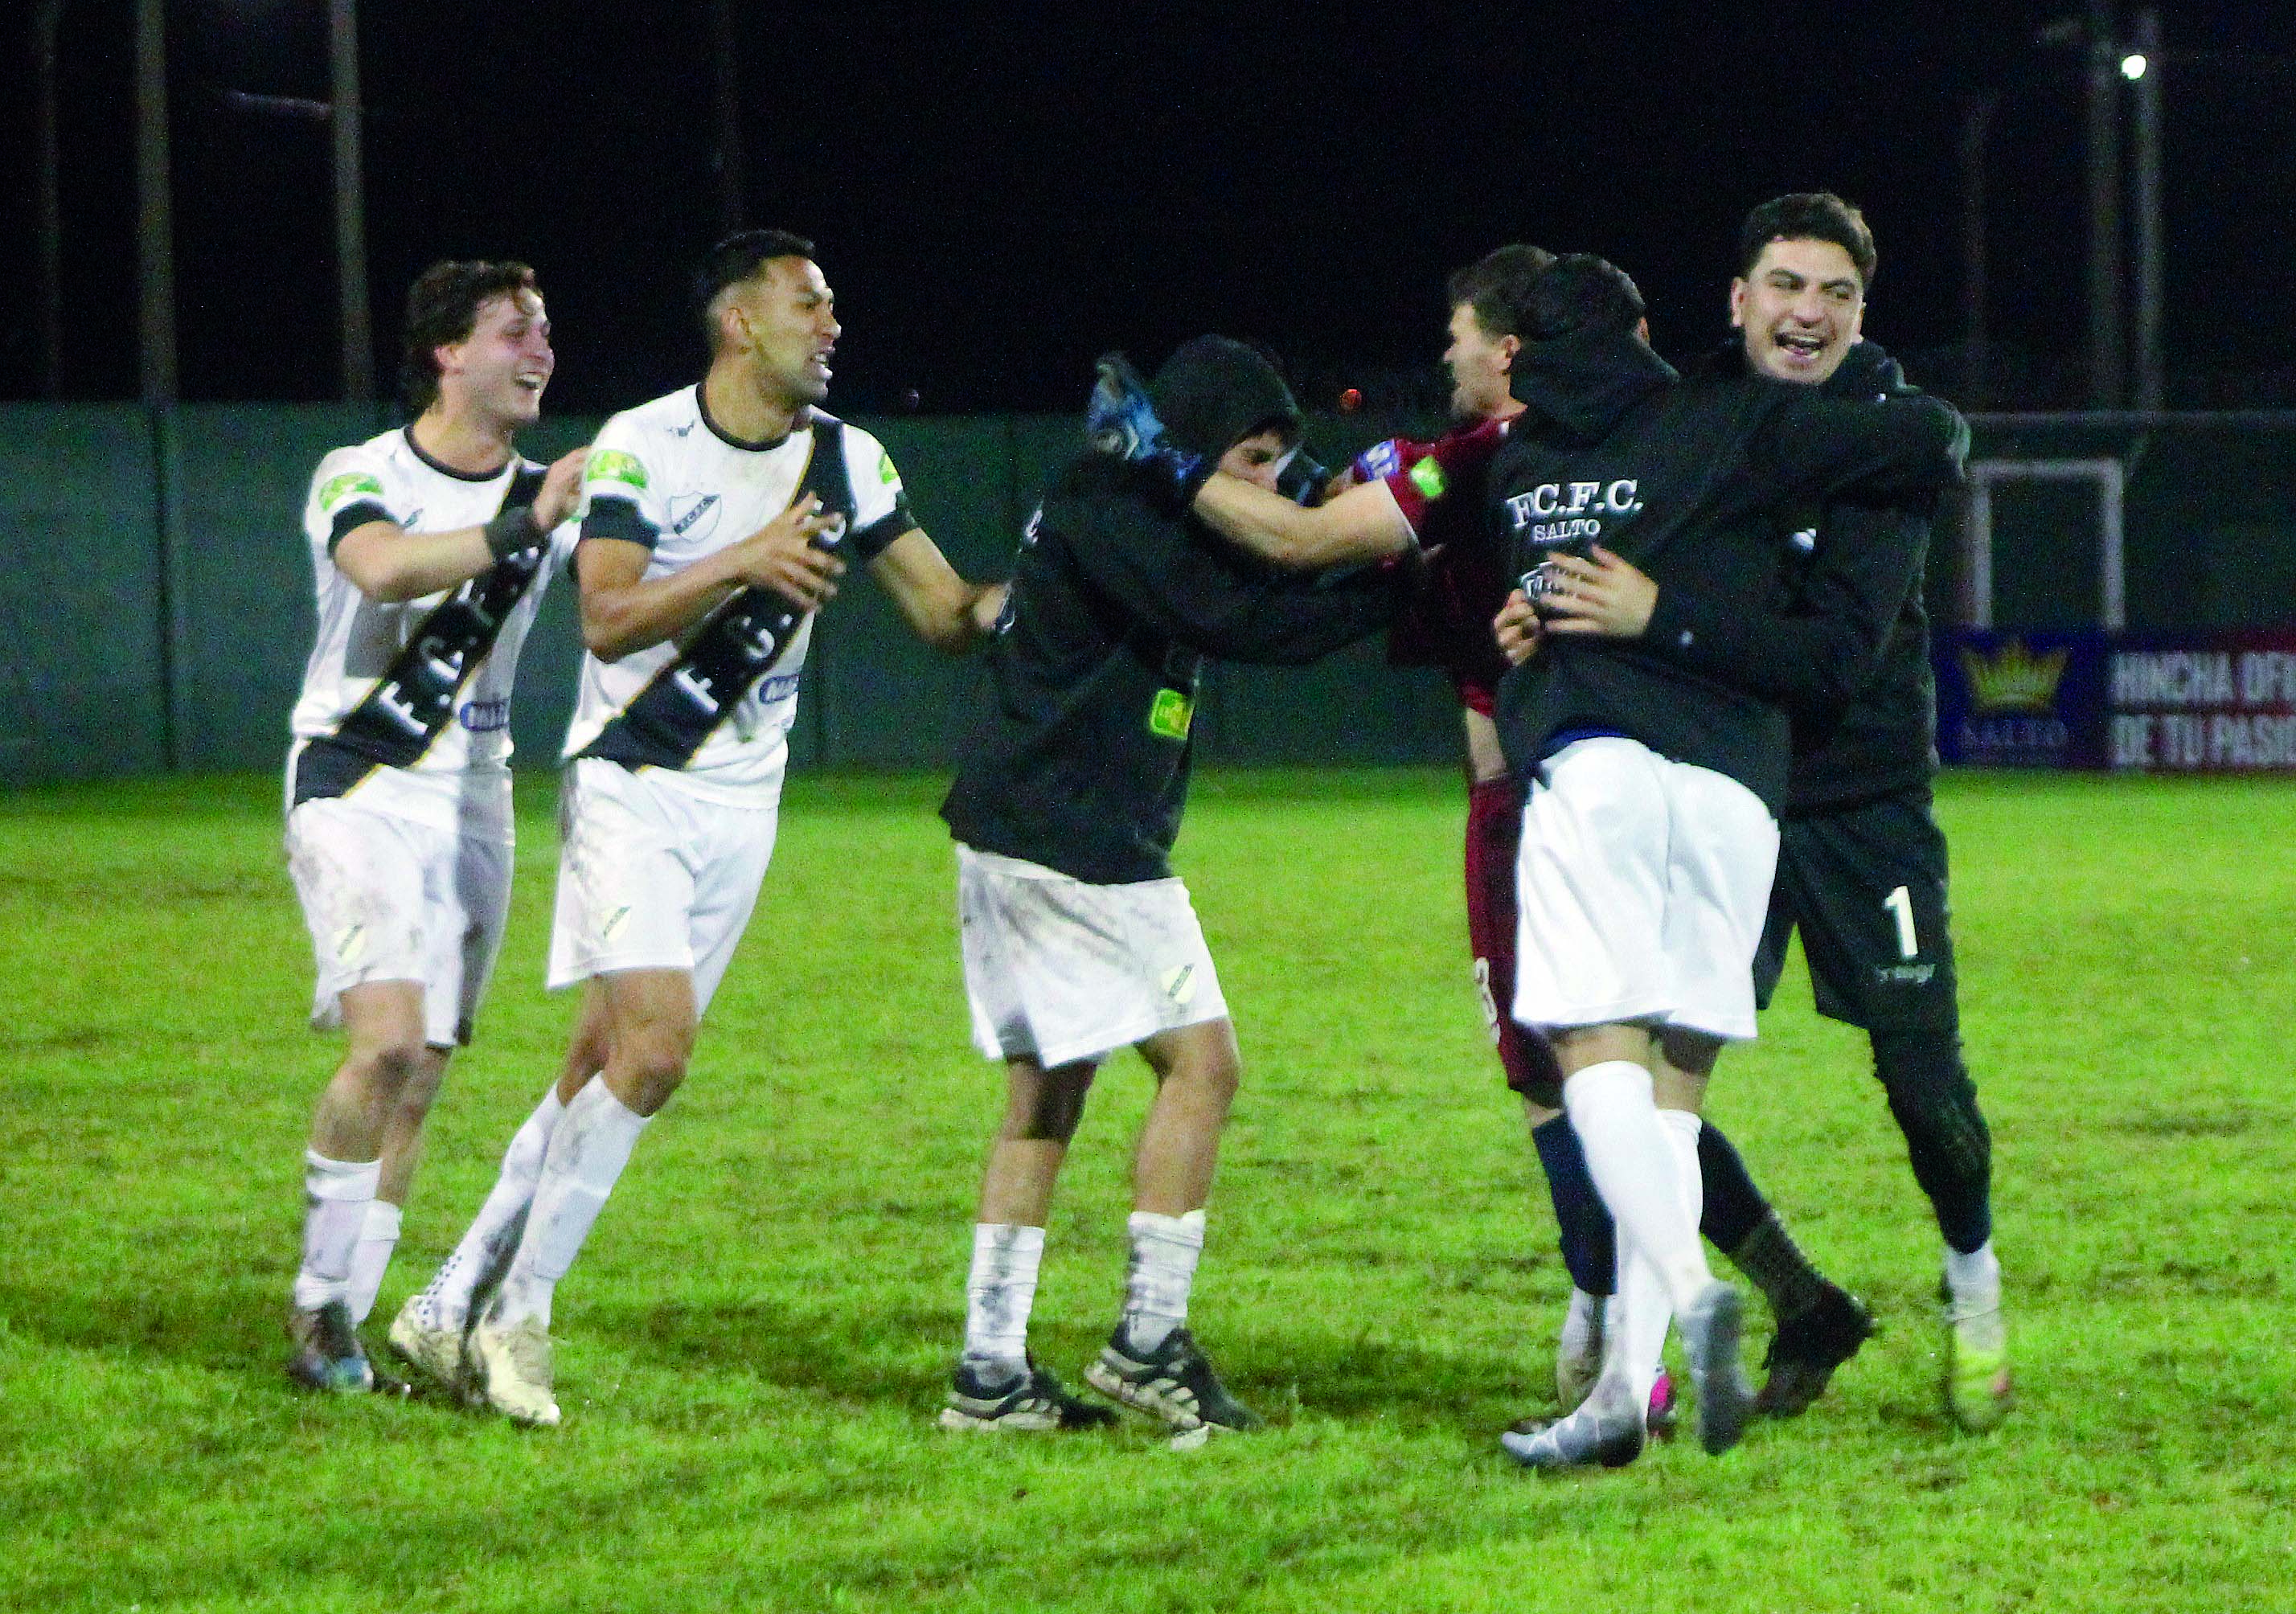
(613, 465)
(1427, 476)
(885, 472)
(351, 483)
(1170, 713)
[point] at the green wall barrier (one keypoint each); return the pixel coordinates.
(156, 608)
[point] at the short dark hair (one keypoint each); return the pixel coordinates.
(734, 259)
(1498, 287)
(442, 309)
(1580, 292)
(1808, 215)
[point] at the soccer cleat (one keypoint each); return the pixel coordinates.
(434, 1349)
(328, 1356)
(1808, 1347)
(511, 1368)
(1665, 1410)
(1174, 1382)
(1120, 419)
(1607, 1431)
(1978, 1391)
(1709, 1336)
(1032, 1400)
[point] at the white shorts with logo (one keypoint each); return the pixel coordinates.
(652, 877)
(388, 897)
(1642, 886)
(1059, 969)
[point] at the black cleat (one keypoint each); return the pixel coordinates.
(1807, 1349)
(1033, 1400)
(1174, 1382)
(328, 1356)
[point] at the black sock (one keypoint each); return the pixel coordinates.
(1775, 1264)
(1733, 1206)
(1947, 1139)
(1588, 1247)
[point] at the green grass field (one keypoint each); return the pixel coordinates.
(754, 1343)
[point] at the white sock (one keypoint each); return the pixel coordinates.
(588, 1148)
(1165, 1250)
(1629, 1156)
(1583, 1324)
(1975, 1282)
(378, 1237)
(1649, 1311)
(494, 1233)
(999, 1293)
(336, 1194)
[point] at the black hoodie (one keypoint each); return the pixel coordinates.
(1685, 479)
(1080, 760)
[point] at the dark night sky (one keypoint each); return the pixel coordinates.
(997, 195)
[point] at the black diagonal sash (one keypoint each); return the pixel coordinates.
(414, 700)
(670, 719)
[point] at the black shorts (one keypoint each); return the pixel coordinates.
(1866, 887)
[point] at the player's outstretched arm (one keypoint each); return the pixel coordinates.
(1363, 523)
(947, 612)
(624, 610)
(390, 565)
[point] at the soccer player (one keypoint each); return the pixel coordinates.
(1077, 940)
(430, 545)
(1861, 861)
(713, 522)
(1657, 767)
(1433, 496)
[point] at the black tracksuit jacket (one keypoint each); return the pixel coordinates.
(1080, 760)
(1687, 479)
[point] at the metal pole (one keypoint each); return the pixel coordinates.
(2105, 356)
(155, 232)
(731, 203)
(1976, 123)
(44, 25)
(350, 203)
(2149, 236)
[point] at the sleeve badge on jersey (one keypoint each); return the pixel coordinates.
(342, 488)
(1427, 476)
(613, 465)
(885, 472)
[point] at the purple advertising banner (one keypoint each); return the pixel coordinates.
(2155, 703)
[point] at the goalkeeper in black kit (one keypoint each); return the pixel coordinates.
(1077, 940)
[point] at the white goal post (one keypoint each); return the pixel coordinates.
(2110, 478)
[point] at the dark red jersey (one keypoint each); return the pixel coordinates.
(1443, 489)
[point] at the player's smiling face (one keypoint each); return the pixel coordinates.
(502, 367)
(787, 316)
(1479, 363)
(1799, 309)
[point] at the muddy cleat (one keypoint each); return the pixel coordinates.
(1032, 1400)
(1808, 1347)
(328, 1356)
(1978, 1391)
(1709, 1336)
(1174, 1382)
(1605, 1432)
(510, 1369)
(434, 1350)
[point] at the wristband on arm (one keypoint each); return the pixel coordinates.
(514, 530)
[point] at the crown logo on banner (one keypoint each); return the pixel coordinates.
(2012, 679)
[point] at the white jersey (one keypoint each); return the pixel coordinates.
(713, 708)
(412, 700)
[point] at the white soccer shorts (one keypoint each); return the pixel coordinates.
(392, 898)
(1058, 970)
(1642, 884)
(652, 877)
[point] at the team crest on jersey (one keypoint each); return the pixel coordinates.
(694, 515)
(342, 488)
(613, 465)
